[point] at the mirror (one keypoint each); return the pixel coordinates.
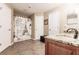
(72, 19)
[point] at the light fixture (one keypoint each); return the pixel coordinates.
(29, 6)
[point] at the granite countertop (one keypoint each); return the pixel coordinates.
(64, 39)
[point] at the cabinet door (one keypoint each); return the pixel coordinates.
(57, 50)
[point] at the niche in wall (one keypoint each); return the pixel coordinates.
(46, 26)
(46, 22)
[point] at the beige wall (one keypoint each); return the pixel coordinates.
(46, 26)
(12, 24)
(63, 19)
(33, 25)
(36, 25)
(64, 10)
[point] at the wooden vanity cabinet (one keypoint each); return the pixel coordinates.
(57, 48)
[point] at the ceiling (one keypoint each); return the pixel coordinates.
(31, 8)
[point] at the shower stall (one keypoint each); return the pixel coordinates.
(22, 28)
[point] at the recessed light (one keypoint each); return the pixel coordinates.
(29, 7)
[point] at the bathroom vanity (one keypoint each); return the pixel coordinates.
(61, 45)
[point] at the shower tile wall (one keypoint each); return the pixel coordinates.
(22, 28)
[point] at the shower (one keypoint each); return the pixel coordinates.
(22, 28)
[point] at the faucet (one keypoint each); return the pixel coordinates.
(76, 32)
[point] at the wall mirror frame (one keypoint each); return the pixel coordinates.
(72, 19)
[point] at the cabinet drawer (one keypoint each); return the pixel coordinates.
(57, 50)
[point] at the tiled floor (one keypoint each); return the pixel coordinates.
(28, 47)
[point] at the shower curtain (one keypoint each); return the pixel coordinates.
(22, 28)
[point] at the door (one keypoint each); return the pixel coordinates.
(5, 27)
(54, 18)
(39, 26)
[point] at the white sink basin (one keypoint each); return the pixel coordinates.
(66, 35)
